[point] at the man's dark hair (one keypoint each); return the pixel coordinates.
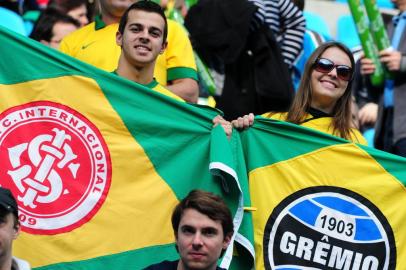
(43, 27)
(147, 6)
(208, 204)
(4, 213)
(8, 205)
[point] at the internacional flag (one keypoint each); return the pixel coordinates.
(97, 163)
(322, 202)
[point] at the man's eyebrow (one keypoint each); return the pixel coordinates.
(209, 228)
(135, 23)
(155, 28)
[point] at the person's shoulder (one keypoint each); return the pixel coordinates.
(165, 265)
(84, 31)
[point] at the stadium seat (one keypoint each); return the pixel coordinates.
(29, 26)
(369, 136)
(346, 31)
(385, 4)
(30, 17)
(317, 23)
(12, 21)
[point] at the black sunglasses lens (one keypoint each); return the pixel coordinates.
(344, 72)
(324, 65)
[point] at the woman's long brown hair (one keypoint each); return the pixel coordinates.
(341, 113)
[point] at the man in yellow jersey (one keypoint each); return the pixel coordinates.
(95, 44)
(142, 36)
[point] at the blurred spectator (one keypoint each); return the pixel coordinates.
(93, 9)
(286, 21)
(96, 45)
(77, 9)
(19, 6)
(390, 129)
(365, 100)
(52, 26)
(246, 51)
(177, 4)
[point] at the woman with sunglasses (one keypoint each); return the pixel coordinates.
(323, 99)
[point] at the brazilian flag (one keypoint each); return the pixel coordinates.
(322, 202)
(97, 163)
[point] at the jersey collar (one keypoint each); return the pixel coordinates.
(99, 23)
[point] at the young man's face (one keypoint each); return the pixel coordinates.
(142, 39)
(200, 241)
(8, 233)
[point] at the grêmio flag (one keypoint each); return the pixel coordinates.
(322, 202)
(97, 163)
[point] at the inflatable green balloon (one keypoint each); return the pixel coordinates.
(367, 41)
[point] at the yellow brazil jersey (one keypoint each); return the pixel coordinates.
(322, 124)
(96, 44)
(154, 85)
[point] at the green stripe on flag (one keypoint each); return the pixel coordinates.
(268, 133)
(124, 260)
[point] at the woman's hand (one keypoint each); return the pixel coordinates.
(243, 122)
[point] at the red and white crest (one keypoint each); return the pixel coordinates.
(56, 163)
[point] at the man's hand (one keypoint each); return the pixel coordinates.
(228, 128)
(368, 113)
(391, 59)
(367, 66)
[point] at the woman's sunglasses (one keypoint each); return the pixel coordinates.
(324, 65)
